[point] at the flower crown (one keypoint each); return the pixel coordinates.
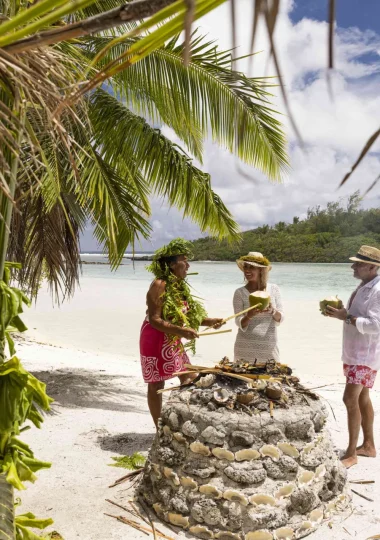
(178, 246)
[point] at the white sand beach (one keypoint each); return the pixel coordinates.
(91, 366)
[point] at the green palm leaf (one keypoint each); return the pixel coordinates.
(168, 171)
(113, 205)
(234, 109)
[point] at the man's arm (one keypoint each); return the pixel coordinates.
(371, 323)
(365, 325)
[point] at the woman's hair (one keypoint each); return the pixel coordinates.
(263, 278)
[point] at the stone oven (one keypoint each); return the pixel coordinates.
(239, 460)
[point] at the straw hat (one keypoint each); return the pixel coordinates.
(254, 258)
(367, 254)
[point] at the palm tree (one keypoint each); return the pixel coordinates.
(121, 159)
(100, 159)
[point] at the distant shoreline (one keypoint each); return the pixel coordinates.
(147, 258)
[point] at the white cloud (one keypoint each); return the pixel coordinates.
(334, 131)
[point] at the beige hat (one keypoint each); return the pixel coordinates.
(367, 254)
(254, 258)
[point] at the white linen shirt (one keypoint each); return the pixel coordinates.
(361, 344)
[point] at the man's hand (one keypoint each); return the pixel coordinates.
(340, 314)
(189, 333)
(215, 323)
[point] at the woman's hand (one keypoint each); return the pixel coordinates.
(215, 323)
(253, 312)
(189, 333)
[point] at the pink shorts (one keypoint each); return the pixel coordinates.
(363, 375)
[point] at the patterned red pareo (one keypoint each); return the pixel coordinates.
(363, 375)
(160, 357)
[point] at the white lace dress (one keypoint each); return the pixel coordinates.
(258, 340)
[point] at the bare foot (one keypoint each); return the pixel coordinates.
(366, 450)
(349, 461)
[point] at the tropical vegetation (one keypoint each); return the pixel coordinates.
(69, 156)
(326, 235)
(107, 154)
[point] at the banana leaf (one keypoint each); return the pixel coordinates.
(25, 521)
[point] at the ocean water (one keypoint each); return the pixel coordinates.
(297, 281)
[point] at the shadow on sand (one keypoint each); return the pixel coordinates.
(126, 443)
(86, 389)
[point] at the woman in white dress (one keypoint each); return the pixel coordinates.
(256, 340)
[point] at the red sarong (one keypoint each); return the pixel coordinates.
(160, 356)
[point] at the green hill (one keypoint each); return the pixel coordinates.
(326, 235)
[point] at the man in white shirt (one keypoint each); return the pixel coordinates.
(361, 352)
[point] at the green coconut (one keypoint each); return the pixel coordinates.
(259, 297)
(332, 301)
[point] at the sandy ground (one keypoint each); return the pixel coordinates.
(100, 411)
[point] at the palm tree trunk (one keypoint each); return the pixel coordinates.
(132, 11)
(7, 513)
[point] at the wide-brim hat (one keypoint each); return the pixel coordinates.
(367, 254)
(254, 258)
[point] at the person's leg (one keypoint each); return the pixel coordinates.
(155, 400)
(351, 400)
(366, 449)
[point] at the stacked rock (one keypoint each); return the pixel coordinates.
(232, 474)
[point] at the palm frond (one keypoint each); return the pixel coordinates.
(133, 462)
(235, 109)
(167, 170)
(39, 15)
(366, 148)
(46, 243)
(119, 16)
(89, 188)
(113, 205)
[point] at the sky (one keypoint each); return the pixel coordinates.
(334, 132)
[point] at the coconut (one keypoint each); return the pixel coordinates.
(269, 450)
(262, 534)
(188, 482)
(316, 515)
(179, 437)
(285, 491)
(288, 449)
(332, 301)
(274, 390)
(261, 499)
(208, 489)
(158, 508)
(223, 453)
(179, 520)
(259, 297)
(246, 399)
(247, 454)
(284, 533)
(235, 496)
(306, 478)
(201, 531)
(199, 448)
